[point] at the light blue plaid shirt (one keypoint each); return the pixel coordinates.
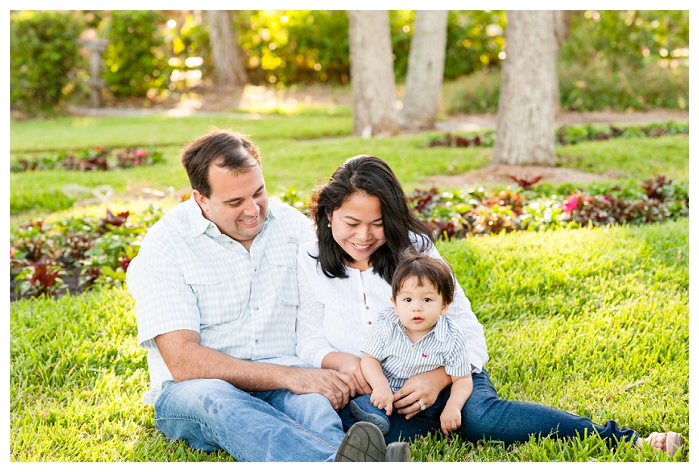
(188, 275)
(401, 358)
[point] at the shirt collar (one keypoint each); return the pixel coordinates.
(198, 224)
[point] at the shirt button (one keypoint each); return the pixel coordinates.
(257, 341)
(367, 307)
(369, 322)
(256, 308)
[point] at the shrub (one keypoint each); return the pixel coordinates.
(583, 87)
(44, 52)
(568, 134)
(135, 58)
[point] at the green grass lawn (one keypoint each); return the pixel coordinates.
(592, 321)
(297, 150)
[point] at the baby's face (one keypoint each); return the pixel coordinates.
(419, 308)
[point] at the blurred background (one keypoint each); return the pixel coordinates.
(621, 60)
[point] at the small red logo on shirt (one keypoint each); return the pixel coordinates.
(424, 355)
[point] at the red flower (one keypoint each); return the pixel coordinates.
(141, 153)
(571, 203)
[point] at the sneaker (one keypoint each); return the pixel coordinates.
(362, 409)
(363, 443)
(398, 452)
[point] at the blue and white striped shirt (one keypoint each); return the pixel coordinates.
(401, 358)
(189, 275)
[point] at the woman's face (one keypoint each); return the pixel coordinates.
(357, 226)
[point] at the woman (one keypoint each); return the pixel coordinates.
(363, 223)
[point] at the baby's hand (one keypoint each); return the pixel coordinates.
(382, 398)
(450, 419)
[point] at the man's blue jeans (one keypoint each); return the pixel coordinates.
(251, 426)
(486, 416)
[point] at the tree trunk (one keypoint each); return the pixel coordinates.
(229, 67)
(423, 83)
(371, 73)
(525, 121)
(562, 22)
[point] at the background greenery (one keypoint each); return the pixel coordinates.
(608, 55)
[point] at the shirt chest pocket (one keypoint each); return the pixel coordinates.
(222, 293)
(282, 266)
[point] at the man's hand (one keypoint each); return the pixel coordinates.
(348, 364)
(188, 360)
(424, 387)
(330, 383)
(382, 398)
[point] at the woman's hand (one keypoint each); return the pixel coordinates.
(348, 364)
(424, 387)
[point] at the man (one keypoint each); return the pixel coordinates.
(216, 299)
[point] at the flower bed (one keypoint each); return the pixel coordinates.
(568, 134)
(472, 212)
(97, 251)
(97, 158)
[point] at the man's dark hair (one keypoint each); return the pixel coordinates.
(372, 176)
(425, 268)
(226, 148)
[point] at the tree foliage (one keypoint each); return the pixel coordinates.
(627, 37)
(135, 58)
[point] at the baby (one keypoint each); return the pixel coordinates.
(414, 337)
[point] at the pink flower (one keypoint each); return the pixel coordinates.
(141, 153)
(570, 204)
(607, 197)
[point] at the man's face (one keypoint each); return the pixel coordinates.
(238, 202)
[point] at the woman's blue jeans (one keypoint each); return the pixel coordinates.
(251, 426)
(486, 416)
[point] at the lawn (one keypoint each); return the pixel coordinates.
(302, 152)
(594, 321)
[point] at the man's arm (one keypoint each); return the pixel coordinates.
(187, 360)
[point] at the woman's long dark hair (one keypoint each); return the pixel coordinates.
(372, 176)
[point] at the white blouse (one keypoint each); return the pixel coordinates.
(335, 314)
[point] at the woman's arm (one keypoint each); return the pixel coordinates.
(311, 344)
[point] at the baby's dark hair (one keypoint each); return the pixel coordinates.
(424, 267)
